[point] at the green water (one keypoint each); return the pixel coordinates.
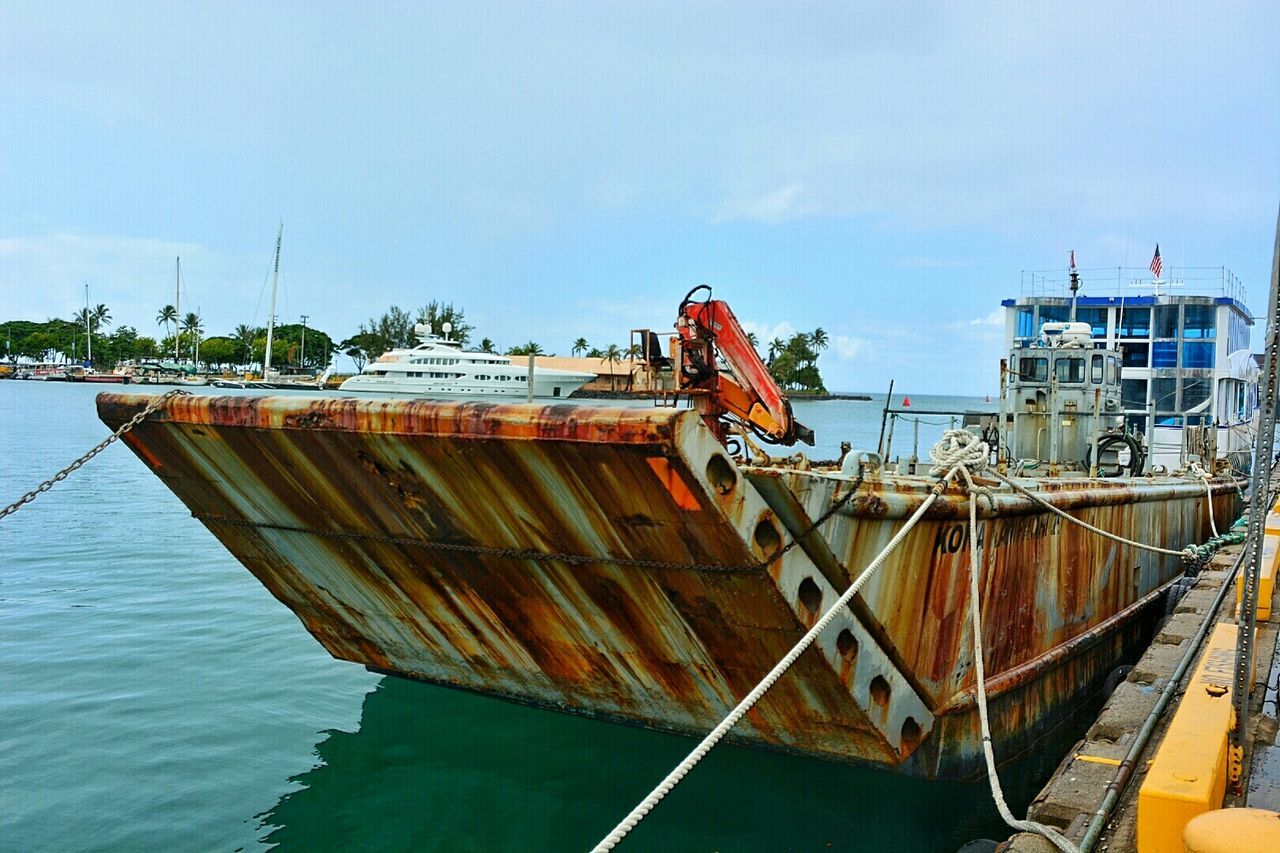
(154, 696)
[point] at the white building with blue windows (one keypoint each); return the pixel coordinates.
(1185, 358)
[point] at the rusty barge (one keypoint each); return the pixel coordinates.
(624, 563)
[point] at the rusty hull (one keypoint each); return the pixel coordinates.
(618, 563)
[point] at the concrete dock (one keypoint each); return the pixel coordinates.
(1077, 789)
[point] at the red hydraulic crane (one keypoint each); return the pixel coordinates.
(747, 393)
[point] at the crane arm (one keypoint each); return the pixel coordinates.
(708, 329)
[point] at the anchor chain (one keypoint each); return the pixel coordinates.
(107, 442)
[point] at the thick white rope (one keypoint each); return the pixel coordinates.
(958, 450)
(682, 769)
(1198, 471)
(975, 569)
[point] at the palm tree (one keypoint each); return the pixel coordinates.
(753, 339)
(486, 345)
(244, 336)
(168, 314)
(633, 352)
(776, 346)
(101, 316)
(612, 355)
(580, 346)
(192, 325)
(819, 339)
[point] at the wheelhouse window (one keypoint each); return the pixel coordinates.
(1135, 323)
(1197, 353)
(1054, 314)
(1133, 393)
(1026, 323)
(1113, 370)
(1166, 321)
(1069, 370)
(1164, 354)
(1096, 318)
(1095, 369)
(1136, 355)
(1199, 321)
(1035, 370)
(1164, 393)
(1195, 392)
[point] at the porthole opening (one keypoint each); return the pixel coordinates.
(767, 539)
(880, 691)
(810, 596)
(910, 734)
(847, 645)
(720, 474)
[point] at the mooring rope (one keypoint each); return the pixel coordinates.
(968, 451)
(1086, 525)
(958, 452)
(682, 769)
(1197, 471)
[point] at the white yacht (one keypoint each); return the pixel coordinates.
(439, 367)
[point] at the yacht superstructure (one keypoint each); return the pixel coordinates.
(439, 367)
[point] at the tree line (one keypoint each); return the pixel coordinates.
(793, 362)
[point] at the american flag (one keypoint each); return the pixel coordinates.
(1073, 260)
(1156, 265)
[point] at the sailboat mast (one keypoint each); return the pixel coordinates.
(271, 318)
(88, 333)
(177, 305)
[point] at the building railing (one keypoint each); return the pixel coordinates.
(1135, 281)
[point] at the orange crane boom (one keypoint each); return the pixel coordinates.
(750, 395)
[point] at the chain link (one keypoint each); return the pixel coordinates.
(66, 472)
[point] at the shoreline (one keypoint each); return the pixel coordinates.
(601, 394)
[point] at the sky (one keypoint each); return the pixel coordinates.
(884, 171)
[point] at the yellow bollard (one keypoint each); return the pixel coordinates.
(1233, 831)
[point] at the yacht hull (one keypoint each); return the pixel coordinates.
(617, 563)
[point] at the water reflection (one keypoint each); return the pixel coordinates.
(437, 769)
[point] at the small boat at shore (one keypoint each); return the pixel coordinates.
(650, 565)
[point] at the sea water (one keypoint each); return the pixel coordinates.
(153, 695)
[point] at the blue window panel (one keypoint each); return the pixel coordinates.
(1199, 321)
(1197, 353)
(1164, 354)
(1096, 318)
(1026, 323)
(1166, 321)
(1135, 322)
(1054, 313)
(1135, 355)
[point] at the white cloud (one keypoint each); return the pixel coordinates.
(851, 348)
(771, 208)
(766, 333)
(995, 318)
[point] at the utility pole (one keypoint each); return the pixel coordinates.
(303, 359)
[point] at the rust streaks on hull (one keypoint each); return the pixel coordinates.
(617, 563)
